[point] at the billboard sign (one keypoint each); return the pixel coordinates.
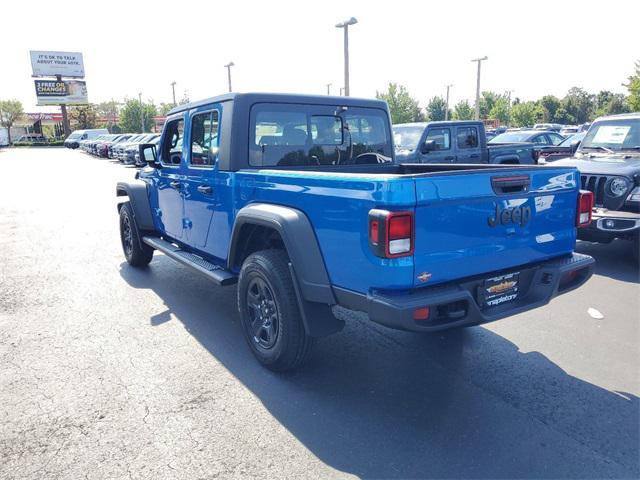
(50, 64)
(65, 92)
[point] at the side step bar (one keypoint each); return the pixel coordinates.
(213, 272)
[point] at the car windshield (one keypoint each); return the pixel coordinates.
(511, 137)
(573, 138)
(308, 135)
(617, 135)
(73, 136)
(406, 137)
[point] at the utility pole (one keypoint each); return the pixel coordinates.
(228, 67)
(479, 60)
(173, 90)
(341, 91)
(141, 113)
(65, 118)
(446, 111)
(329, 88)
(345, 26)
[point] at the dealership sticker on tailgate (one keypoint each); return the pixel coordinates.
(498, 290)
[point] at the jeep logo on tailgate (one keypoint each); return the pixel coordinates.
(503, 216)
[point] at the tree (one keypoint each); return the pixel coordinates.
(500, 111)
(525, 114)
(436, 109)
(402, 106)
(633, 100)
(550, 105)
(165, 108)
(609, 103)
(109, 109)
(131, 114)
(487, 101)
(10, 112)
(463, 111)
(579, 104)
(84, 115)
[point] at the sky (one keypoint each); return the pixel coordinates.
(534, 48)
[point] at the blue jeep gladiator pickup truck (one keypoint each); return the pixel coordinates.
(463, 141)
(297, 199)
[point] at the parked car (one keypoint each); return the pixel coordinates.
(568, 130)
(564, 149)
(537, 137)
(129, 154)
(104, 148)
(119, 148)
(96, 145)
(72, 141)
(453, 142)
(609, 162)
(298, 200)
(33, 138)
(550, 127)
(140, 162)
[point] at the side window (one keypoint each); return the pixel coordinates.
(555, 139)
(467, 137)
(204, 138)
(441, 137)
(541, 140)
(172, 143)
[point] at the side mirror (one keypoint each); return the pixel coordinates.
(147, 152)
(428, 146)
(574, 145)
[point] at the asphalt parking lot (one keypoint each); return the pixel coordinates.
(111, 372)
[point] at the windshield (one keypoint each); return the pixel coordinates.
(616, 135)
(308, 135)
(511, 137)
(407, 137)
(74, 135)
(573, 138)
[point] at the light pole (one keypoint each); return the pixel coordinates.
(228, 67)
(141, 113)
(509, 92)
(446, 111)
(329, 88)
(345, 26)
(173, 90)
(341, 91)
(479, 60)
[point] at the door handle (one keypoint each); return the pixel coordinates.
(174, 184)
(206, 189)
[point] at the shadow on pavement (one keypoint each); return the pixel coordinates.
(614, 260)
(383, 404)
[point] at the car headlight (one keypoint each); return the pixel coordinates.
(618, 186)
(634, 196)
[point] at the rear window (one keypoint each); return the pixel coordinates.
(307, 135)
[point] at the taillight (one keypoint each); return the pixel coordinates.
(391, 234)
(585, 206)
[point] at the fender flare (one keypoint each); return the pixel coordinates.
(139, 199)
(300, 241)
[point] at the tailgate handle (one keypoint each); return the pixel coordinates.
(511, 184)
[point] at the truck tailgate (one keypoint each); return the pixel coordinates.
(474, 222)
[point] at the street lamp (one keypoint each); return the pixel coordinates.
(446, 111)
(345, 25)
(173, 89)
(228, 67)
(329, 88)
(479, 60)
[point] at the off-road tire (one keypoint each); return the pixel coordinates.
(290, 345)
(137, 253)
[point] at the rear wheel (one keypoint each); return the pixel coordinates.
(269, 312)
(137, 253)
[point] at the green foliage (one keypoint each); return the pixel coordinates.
(85, 116)
(165, 108)
(608, 103)
(488, 100)
(436, 109)
(500, 111)
(579, 105)
(525, 114)
(133, 112)
(10, 112)
(550, 105)
(463, 111)
(633, 100)
(115, 128)
(402, 106)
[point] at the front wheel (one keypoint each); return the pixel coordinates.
(137, 253)
(269, 312)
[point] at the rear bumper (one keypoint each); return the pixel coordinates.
(456, 304)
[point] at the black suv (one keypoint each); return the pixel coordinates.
(609, 162)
